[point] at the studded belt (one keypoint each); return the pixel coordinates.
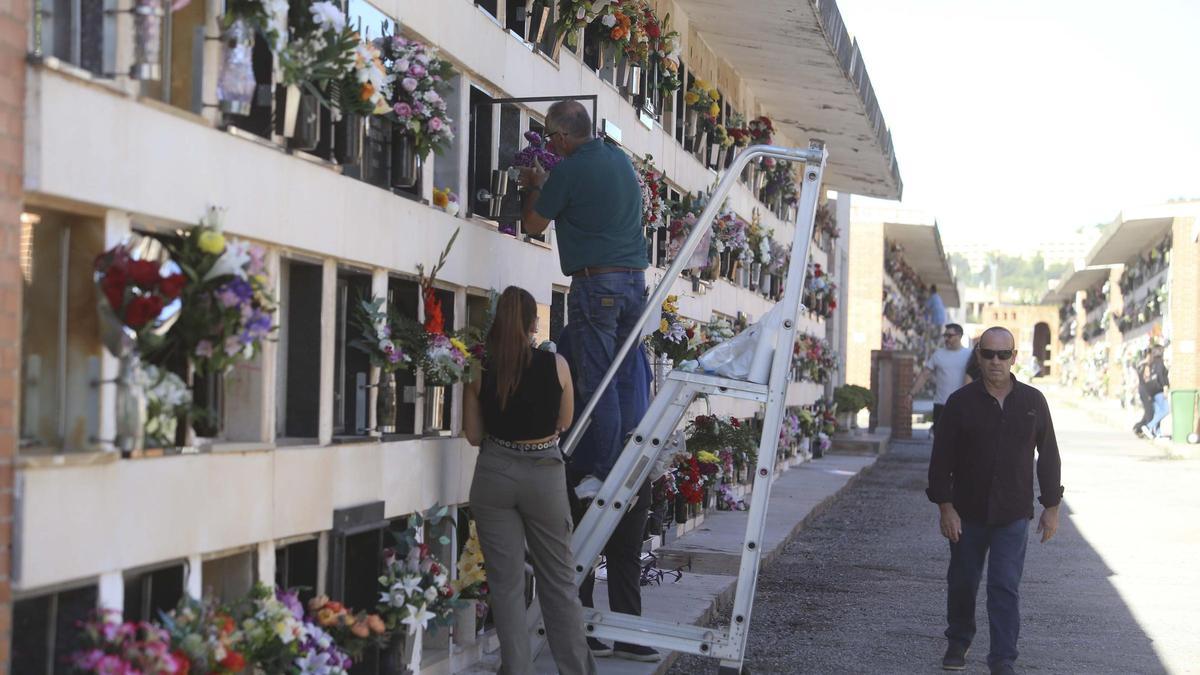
(525, 447)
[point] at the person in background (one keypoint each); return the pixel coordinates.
(973, 370)
(1157, 385)
(981, 476)
(514, 414)
(935, 309)
(948, 368)
(1142, 369)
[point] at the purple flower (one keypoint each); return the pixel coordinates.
(204, 349)
(291, 600)
(435, 124)
(233, 345)
(403, 111)
(409, 84)
(417, 70)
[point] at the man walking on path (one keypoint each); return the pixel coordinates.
(1156, 384)
(981, 477)
(594, 197)
(948, 367)
(935, 309)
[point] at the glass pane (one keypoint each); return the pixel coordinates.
(301, 342)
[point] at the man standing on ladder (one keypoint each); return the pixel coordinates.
(594, 196)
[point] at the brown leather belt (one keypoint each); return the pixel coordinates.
(593, 271)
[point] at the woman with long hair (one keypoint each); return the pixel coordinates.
(514, 414)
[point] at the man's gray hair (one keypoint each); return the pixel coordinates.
(571, 118)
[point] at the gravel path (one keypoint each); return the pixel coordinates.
(862, 590)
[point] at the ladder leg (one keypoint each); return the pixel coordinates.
(632, 469)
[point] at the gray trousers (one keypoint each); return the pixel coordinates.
(520, 499)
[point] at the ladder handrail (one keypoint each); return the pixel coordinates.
(814, 153)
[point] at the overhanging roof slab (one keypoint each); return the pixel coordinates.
(924, 253)
(1081, 280)
(809, 75)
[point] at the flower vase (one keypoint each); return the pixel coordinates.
(720, 154)
(406, 165)
(755, 275)
(698, 146)
(681, 509)
(235, 81)
(437, 413)
(300, 122)
(635, 81)
(397, 656)
(385, 404)
(348, 139)
(726, 269)
(131, 406)
(707, 503)
(147, 40)
(465, 623)
(741, 274)
(690, 122)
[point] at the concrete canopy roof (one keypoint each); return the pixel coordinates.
(1136, 230)
(810, 77)
(922, 250)
(1080, 280)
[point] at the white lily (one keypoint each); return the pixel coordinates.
(232, 262)
(417, 616)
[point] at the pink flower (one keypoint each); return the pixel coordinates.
(435, 124)
(403, 110)
(417, 70)
(409, 84)
(232, 345)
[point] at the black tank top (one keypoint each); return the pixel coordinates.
(532, 410)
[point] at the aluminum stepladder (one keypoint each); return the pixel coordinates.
(666, 412)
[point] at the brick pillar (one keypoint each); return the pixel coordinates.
(905, 374)
(13, 18)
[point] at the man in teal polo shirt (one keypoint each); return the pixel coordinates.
(594, 197)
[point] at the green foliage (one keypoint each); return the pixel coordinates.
(850, 398)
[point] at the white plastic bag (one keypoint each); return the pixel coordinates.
(747, 356)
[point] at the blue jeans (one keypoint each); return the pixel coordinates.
(1161, 409)
(602, 311)
(1005, 563)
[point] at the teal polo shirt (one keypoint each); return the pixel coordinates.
(594, 199)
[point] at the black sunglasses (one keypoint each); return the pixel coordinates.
(948, 335)
(1002, 354)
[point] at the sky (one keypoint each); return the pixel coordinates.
(1032, 118)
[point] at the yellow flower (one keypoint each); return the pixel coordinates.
(714, 94)
(690, 98)
(458, 344)
(441, 198)
(663, 326)
(701, 84)
(706, 457)
(714, 109)
(211, 242)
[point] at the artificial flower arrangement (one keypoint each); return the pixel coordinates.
(703, 105)
(729, 233)
(813, 359)
(444, 358)
(280, 638)
(167, 398)
(538, 152)
(321, 49)
(676, 336)
(228, 310)
(446, 200)
(138, 291)
(420, 80)
(366, 88)
(207, 635)
(664, 49)
(655, 209)
(761, 130)
(471, 583)
(758, 242)
(825, 223)
(352, 631)
(110, 645)
(385, 337)
(820, 293)
(576, 14)
(415, 585)
(718, 330)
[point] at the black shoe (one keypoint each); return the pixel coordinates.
(1004, 669)
(598, 648)
(956, 657)
(622, 650)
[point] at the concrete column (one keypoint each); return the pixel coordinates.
(1183, 299)
(328, 317)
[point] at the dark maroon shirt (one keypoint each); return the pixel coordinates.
(983, 456)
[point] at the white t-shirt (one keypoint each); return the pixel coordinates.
(949, 370)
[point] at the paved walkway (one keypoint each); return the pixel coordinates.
(862, 589)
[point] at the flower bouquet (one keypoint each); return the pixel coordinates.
(278, 638)
(675, 336)
(141, 287)
(576, 14)
(538, 152)
(321, 48)
(471, 588)
(167, 398)
(813, 359)
(207, 636)
(446, 200)
(113, 646)
(228, 309)
(353, 632)
(366, 87)
(703, 107)
(820, 294)
(664, 52)
(420, 80)
(415, 590)
(655, 209)
(381, 336)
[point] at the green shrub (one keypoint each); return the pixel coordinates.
(850, 398)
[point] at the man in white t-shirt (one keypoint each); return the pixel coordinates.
(948, 368)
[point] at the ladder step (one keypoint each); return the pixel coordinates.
(676, 637)
(721, 386)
